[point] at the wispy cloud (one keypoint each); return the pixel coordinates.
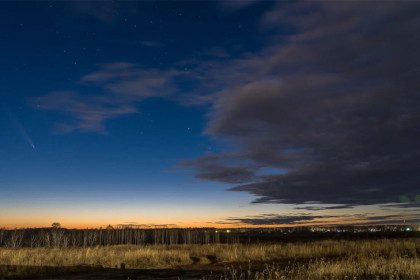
(135, 224)
(151, 44)
(215, 52)
(88, 113)
(236, 4)
(107, 12)
(130, 81)
(122, 86)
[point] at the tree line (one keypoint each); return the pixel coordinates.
(62, 237)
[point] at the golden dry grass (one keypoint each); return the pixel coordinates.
(347, 269)
(316, 260)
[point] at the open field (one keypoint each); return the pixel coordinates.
(362, 259)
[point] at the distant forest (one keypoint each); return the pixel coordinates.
(61, 237)
(56, 236)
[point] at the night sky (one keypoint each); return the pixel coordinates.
(191, 114)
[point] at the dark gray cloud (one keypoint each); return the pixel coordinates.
(336, 105)
(296, 219)
(320, 208)
(273, 219)
(222, 168)
(408, 206)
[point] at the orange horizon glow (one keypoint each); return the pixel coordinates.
(205, 216)
(194, 225)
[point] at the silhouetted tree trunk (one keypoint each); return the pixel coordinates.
(15, 239)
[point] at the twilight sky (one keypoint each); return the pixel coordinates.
(242, 113)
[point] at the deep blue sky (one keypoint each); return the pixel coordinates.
(148, 111)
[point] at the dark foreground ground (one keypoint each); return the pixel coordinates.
(108, 274)
(90, 273)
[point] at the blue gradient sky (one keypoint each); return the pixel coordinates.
(107, 108)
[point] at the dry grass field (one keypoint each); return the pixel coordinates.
(363, 259)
